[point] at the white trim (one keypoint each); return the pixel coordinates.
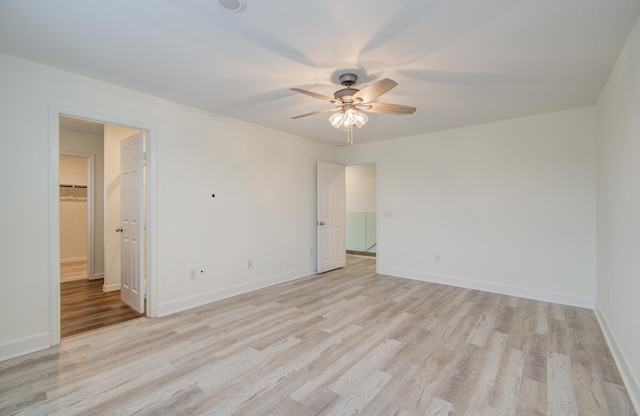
(152, 222)
(54, 227)
(379, 249)
(97, 276)
(204, 298)
(521, 292)
(91, 184)
(111, 287)
(24, 345)
(631, 383)
(55, 111)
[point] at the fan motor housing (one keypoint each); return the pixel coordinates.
(345, 94)
(348, 79)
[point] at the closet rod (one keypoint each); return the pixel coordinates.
(73, 186)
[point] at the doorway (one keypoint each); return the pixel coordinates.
(90, 288)
(361, 209)
(96, 289)
(76, 215)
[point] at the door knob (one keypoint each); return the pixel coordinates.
(118, 230)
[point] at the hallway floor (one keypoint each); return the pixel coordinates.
(85, 307)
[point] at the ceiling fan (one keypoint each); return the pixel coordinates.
(350, 103)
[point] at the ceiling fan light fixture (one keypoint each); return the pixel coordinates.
(360, 118)
(348, 118)
(351, 102)
(336, 119)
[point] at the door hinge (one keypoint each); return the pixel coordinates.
(143, 155)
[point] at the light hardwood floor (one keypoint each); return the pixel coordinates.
(345, 342)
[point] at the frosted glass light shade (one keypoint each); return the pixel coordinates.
(348, 118)
(336, 119)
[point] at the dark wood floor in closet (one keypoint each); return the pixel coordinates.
(85, 307)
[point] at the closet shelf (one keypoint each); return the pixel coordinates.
(73, 186)
(69, 192)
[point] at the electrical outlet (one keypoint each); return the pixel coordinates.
(196, 273)
(249, 264)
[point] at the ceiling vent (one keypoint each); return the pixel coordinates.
(233, 5)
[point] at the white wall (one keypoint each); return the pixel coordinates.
(618, 208)
(264, 209)
(73, 170)
(361, 188)
(72, 141)
(508, 206)
(73, 210)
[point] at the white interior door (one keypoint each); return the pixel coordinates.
(331, 217)
(131, 215)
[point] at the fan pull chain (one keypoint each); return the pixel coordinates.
(350, 135)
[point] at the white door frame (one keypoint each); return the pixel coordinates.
(90, 208)
(55, 111)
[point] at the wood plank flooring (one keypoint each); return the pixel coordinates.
(344, 342)
(85, 307)
(73, 270)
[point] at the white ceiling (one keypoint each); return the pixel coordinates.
(81, 126)
(460, 62)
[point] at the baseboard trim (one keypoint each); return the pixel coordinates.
(73, 259)
(24, 346)
(630, 382)
(204, 298)
(97, 276)
(521, 292)
(361, 253)
(111, 287)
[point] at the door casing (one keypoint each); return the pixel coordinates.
(55, 111)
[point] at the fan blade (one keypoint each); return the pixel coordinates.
(314, 95)
(385, 108)
(326, 110)
(374, 90)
